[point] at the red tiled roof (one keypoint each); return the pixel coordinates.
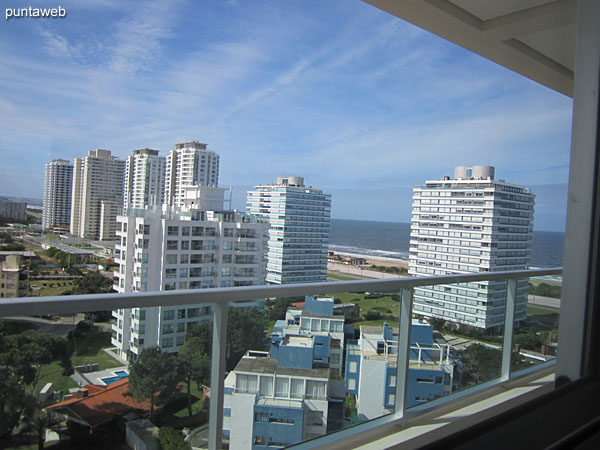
(102, 404)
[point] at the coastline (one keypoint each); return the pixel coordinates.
(377, 260)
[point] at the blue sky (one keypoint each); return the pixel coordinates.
(362, 104)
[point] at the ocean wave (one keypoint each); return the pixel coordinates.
(368, 251)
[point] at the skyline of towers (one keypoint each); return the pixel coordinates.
(470, 223)
(299, 234)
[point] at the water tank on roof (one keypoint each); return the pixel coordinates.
(482, 172)
(460, 172)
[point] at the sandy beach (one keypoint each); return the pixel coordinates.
(378, 260)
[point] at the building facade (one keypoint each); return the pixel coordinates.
(312, 337)
(299, 234)
(270, 405)
(11, 209)
(470, 223)
(97, 195)
(13, 277)
(371, 369)
(192, 247)
(144, 185)
(58, 187)
(189, 164)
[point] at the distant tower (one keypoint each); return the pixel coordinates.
(58, 183)
(97, 195)
(189, 164)
(470, 223)
(144, 185)
(299, 234)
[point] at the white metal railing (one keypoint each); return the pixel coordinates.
(220, 297)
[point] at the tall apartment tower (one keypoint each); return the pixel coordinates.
(58, 185)
(97, 195)
(144, 185)
(189, 164)
(470, 223)
(196, 246)
(299, 234)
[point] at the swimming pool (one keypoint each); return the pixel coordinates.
(119, 375)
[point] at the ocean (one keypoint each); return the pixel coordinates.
(391, 240)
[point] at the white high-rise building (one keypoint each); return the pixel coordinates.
(144, 185)
(299, 234)
(97, 195)
(189, 164)
(470, 223)
(198, 246)
(58, 185)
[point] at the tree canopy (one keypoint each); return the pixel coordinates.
(153, 376)
(21, 358)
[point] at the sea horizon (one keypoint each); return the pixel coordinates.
(383, 239)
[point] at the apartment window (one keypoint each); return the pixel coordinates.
(246, 383)
(193, 312)
(316, 389)
(225, 283)
(266, 386)
(351, 384)
(167, 342)
(183, 259)
(170, 286)
(172, 245)
(226, 272)
(171, 259)
(185, 231)
(226, 259)
(282, 386)
(185, 245)
(228, 232)
(172, 231)
(167, 328)
(179, 340)
(181, 313)
(181, 327)
(171, 273)
(297, 390)
(261, 417)
(352, 367)
(227, 245)
(168, 315)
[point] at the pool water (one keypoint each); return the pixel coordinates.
(119, 375)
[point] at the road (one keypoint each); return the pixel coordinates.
(60, 327)
(549, 302)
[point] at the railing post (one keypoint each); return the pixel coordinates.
(509, 324)
(217, 376)
(404, 328)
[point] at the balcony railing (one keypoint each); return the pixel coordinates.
(220, 299)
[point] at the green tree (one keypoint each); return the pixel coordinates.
(480, 364)
(171, 439)
(21, 358)
(194, 365)
(93, 283)
(154, 376)
(246, 330)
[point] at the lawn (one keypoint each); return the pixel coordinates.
(341, 277)
(89, 350)
(197, 402)
(385, 305)
(541, 310)
(51, 287)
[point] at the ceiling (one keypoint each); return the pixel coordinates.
(535, 38)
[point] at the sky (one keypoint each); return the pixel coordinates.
(360, 103)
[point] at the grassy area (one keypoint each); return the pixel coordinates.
(89, 350)
(541, 310)
(51, 237)
(51, 287)
(197, 402)
(334, 276)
